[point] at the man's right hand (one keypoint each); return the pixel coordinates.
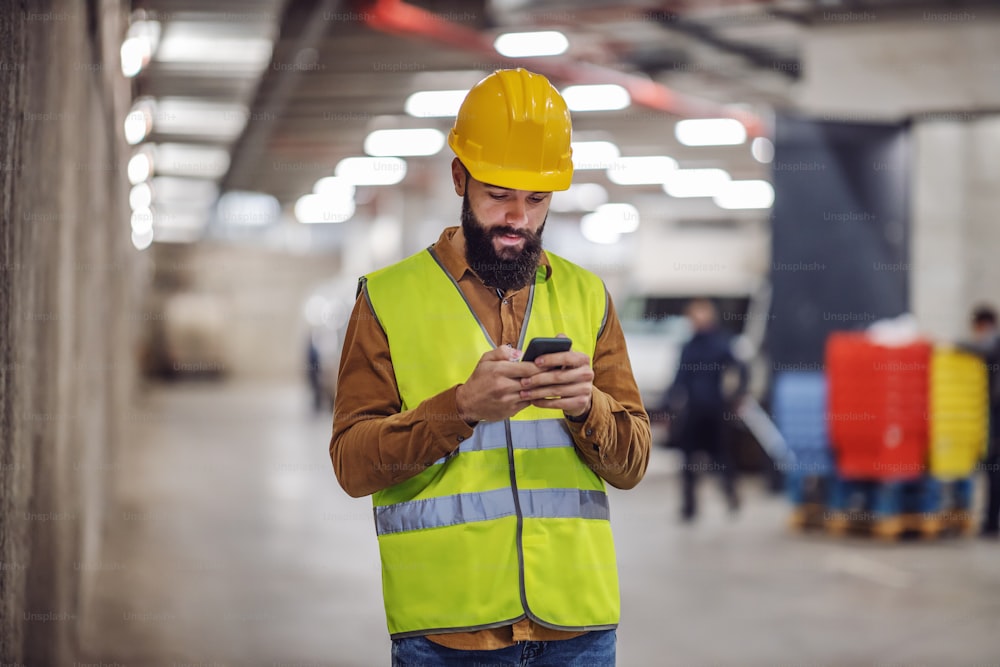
(493, 391)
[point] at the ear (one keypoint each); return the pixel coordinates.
(458, 177)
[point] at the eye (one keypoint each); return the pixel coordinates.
(498, 196)
(537, 199)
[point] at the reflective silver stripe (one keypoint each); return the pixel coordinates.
(564, 504)
(470, 507)
(443, 511)
(537, 434)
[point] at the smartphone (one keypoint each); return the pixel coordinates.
(539, 346)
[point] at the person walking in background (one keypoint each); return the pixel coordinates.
(488, 474)
(698, 401)
(986, 344)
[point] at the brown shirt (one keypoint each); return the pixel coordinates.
(375, 446)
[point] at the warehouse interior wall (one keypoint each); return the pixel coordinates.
(244, 305)
(69, 273)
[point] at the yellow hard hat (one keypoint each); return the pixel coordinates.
(514, 130)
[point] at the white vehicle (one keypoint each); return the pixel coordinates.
(656, 330)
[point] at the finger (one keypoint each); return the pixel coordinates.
(518, 369)
(562, 403)
(558, 377)
(557, 391)
(568, 359)
(502, 353)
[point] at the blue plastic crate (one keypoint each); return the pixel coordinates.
(799, 409)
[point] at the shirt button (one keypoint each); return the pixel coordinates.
(461, 438)
(590, 432)
(505, 301)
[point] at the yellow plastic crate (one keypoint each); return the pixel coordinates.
(959, 413)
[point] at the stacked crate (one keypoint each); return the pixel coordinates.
(959, 423)
(907, 426)
(798, 405)
(878, 407)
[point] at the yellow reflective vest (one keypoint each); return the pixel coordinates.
(512, 524)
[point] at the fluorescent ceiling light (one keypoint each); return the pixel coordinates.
(623, 218)
(139, 45)
(710, 132)
(191, 160)
(422, 141)
(762, 150)
(435, 103)
(134, 54)
(140, 197)
(142, 221)
(313, 208)
(199, 118)
(142, 240)
(371, 170)
(641, 170)
(187, 193)
(609, 222)
(140, 167)
(595, 231)
(695, 182)
(216, 44)
(179, 226)
(745, 194)
(527, 44)
(599, 97)
(247, 209)
(192, 221)
(594, 154)
(579, 197)
(139, 121)
(334, 186)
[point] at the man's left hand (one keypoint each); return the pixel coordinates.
(568, 388)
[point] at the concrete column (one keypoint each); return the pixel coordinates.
(68, 281)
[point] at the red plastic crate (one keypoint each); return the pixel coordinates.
(878, 402)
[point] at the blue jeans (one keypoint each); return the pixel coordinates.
(594, 649)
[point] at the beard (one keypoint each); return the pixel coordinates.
(510, 268)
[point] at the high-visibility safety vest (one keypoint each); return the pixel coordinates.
(513, 523)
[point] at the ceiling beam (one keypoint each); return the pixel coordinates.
(303, 27)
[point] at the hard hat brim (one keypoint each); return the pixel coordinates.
(515, 179)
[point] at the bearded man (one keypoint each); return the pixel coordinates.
(487, 473)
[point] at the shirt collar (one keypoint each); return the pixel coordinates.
(450, 249)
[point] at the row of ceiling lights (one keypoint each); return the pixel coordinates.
(332, 199)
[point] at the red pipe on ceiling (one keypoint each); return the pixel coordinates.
(400, 18)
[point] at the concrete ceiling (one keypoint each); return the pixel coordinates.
(333, 75)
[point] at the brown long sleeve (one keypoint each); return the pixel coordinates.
(374, 445)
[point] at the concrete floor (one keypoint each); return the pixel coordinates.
(230, 543)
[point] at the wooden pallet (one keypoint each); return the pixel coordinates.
(931, 525)
(808, 516)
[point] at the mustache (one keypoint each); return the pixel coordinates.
(511, 231)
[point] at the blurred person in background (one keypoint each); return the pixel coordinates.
(314, 374)
(700, 406)
(489, 474)
(985, 343)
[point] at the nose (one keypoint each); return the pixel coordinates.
(517, 212)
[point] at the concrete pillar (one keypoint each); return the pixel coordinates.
(68, 279)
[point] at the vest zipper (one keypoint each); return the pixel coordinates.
(520, 518)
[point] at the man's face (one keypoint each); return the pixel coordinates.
(503, 231)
